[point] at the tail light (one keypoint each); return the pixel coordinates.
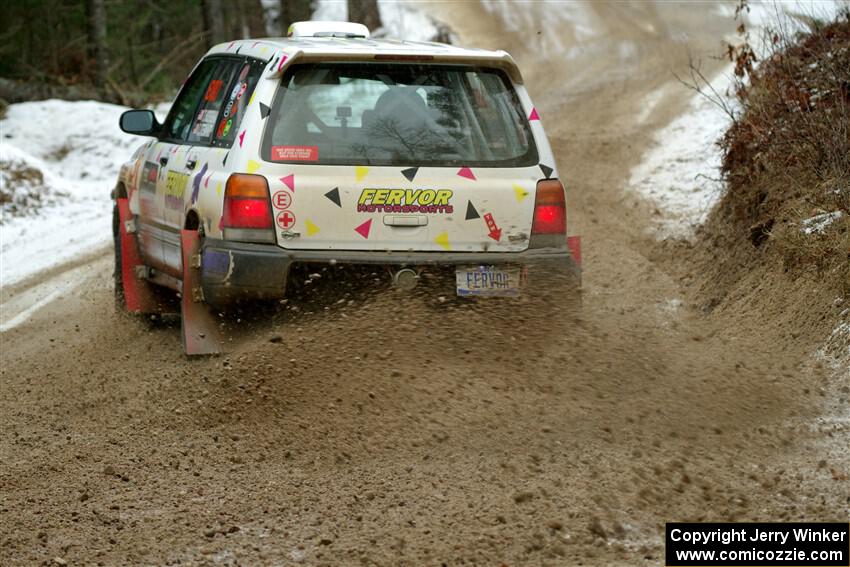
(247, 211)
(550, 208)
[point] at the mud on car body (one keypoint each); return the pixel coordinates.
(331, 147)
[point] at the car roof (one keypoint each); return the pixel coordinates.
(336, 48)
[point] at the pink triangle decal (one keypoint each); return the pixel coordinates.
(466, 172)
(363, 229)
(241, 137)
(289, 181)
(533, 115)
(282, 61)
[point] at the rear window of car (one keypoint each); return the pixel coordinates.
(398, 114)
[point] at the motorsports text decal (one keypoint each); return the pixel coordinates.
(405, 201)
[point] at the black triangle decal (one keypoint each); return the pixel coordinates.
(264, 110)
(410, 172)
(224, 161)
(547, 171)
(471, 213)
(238, 49)
(333, 195)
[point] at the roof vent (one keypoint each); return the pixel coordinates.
(327, 29)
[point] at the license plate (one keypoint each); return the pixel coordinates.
(487, 281)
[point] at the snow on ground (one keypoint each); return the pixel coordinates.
(838, 342)
(400, 19)
(680, 174)
(76, 148)
(834, 355)
(818, 223)
(790, 16)
(24, 188)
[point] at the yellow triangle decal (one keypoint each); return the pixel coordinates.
(520, 193)
(443, 240)
(218, 188)
(311, 228)
(252, 166)
(360, 172)
(251, 100)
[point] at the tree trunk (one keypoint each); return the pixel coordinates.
(364, 12)
(96, 24)
(213, 22)
(250, 19)
(256, 18)
(292, 11)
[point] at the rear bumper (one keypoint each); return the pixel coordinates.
(234, 270)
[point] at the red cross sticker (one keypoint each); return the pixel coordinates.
(282, 200)
(285, 220)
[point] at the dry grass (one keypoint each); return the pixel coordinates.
(787, 154)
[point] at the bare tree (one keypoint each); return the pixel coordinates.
(96, 34)
(213, 22)
(364, 12)
(255, 19)
(292, 11)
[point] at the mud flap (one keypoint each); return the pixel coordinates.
(201, 334)
(574, 244)
(139, 295)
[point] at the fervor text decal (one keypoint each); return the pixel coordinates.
(405, 201)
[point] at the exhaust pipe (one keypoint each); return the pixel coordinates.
(405, 279)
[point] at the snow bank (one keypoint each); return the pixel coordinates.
(680, 173)
(77, 148)
(24, 188)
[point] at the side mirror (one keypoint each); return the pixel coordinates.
(140, 122)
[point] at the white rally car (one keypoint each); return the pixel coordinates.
(331, 147)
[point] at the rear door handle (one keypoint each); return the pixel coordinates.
(191, 163)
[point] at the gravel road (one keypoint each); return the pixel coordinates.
(392, 429)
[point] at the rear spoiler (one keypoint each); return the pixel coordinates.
(498, 59)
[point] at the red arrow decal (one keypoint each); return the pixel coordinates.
(495, 231)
